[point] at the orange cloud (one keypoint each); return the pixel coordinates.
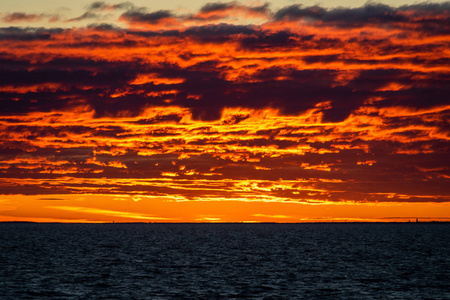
(312, 106)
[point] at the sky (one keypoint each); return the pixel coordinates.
(175, 111)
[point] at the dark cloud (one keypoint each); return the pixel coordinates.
(219, 33)
(432, 18)
(104, 27)
(101, 6)
(21, 17)
(98, 5)
(27, 34)
(223, 7)
(427, 7)
(86, 16)
(282, 38)
(146, 18)
(172, 118)
(213, 7)
(370, 13)
(296, 11)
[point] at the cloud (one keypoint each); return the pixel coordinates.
(220, 10)
(311, 105)
(27, 34)
(432, 18)
(211, 12)
(21, 17)
(213, 7)
(97, 9)
(86, 16)
(103, 6)
(141, 17)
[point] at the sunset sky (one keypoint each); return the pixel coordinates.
(196, 111)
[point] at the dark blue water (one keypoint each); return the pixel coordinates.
(225, 261)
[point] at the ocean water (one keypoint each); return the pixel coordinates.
(224, 261)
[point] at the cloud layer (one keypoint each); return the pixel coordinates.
(232, 102)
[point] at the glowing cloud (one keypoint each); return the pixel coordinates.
(308, 105)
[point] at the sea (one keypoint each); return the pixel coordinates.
(225, 261)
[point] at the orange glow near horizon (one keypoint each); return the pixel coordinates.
(93, 208)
